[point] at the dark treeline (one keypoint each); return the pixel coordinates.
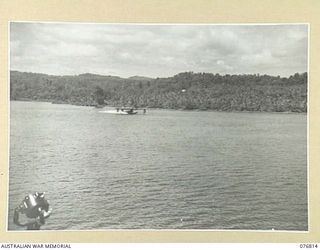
(204, 91)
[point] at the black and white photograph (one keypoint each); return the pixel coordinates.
(158, 127)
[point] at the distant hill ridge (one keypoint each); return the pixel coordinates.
(187, 90)
(140, 78)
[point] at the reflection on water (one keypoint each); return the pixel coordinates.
(163, 170)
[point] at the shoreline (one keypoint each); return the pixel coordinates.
(167, 109)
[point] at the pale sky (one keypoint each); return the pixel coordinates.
(158, 50)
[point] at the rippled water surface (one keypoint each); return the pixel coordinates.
(163, 170)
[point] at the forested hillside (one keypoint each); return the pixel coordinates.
(204, 91)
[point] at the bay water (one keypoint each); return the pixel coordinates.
(163, 170)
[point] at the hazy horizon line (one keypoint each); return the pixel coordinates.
(144, 76)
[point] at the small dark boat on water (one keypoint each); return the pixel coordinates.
(130, 111)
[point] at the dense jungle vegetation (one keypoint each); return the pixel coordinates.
(203, 91)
